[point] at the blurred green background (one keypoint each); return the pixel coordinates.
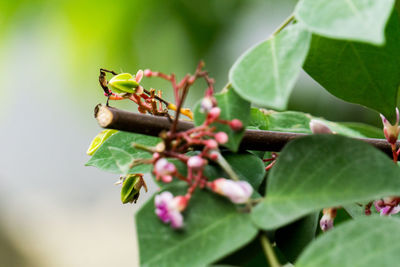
(55, 211)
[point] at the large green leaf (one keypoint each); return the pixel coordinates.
(265, 74)
(370, 241)
(213, 229)
(321, 171)
(357, 72)
(116, 153)
(299, 122)
(359, 20)
(232, 107)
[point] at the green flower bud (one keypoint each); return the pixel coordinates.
(131, 187)
(123, 83)
(99, 140)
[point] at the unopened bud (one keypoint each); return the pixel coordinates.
(236, 125)
(318, 127)
(214, 113)
(237, 191)
(166, 178)
(221, 137)
(147, 73)
(195, 162)
(214, 155)
(211, 144)
(123, 83)
(139, 76)
(391, 131)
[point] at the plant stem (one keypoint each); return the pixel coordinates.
(112, 118)
(226, 167)
(287, 21)
(269, 251)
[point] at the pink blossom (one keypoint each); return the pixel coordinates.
(169, 208)
(164, 170)
(387, 206)
(237, 191)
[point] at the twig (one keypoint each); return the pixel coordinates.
(113, 118)
(269, 251)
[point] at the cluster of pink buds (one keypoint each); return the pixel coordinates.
(328, 216)
(175, 146)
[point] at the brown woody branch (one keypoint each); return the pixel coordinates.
(112, 118)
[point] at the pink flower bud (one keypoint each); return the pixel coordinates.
(214, 155)
(326, 221)
(211, 144)
(147, 73)
(206, 105)
(318, 127)
(181, 202)
(237, 191)
(236, 125)
(221, 137)
(195, 162)
(214, 113)
(139, 76)
(166, 178)
(391, 131)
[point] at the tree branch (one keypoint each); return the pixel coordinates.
(112, 118)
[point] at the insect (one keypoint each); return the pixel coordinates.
(126, 86)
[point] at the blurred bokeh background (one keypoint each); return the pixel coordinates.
(53, 210)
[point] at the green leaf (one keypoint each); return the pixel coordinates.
(322, 171)
(368, 241)
(358, 20)
(365, 129)
(266, 74)
(357, 72)
(213, 229)
(116, 153)
(232, 107)
(298, 122)
(248, 167)
(293, 238)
